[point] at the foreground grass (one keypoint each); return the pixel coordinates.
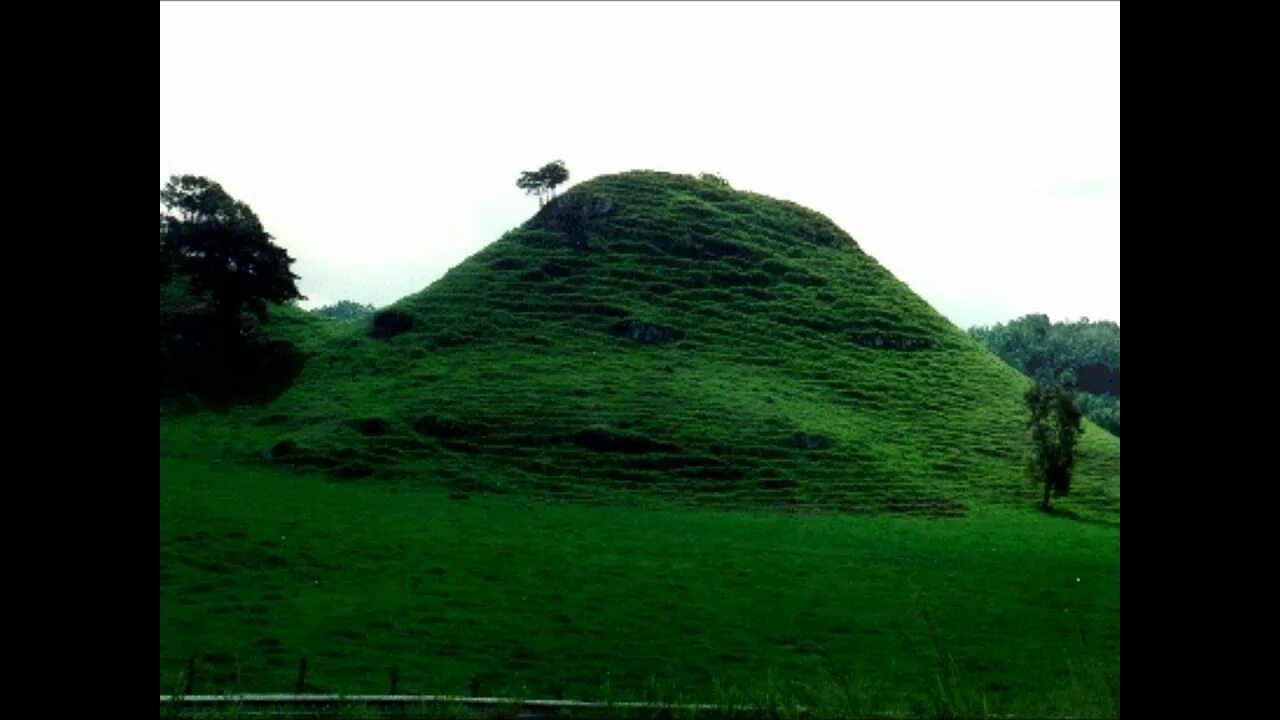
(1002, 611)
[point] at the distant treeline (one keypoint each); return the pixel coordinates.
(345, 310)
(1087, 351)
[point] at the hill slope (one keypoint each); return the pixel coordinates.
(657, 337)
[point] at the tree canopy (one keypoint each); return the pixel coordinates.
(543, 181)
(216, 261)
(1054, 422)
(345, 310)
(1088, 351)
(220, 246)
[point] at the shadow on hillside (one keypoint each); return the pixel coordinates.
(1077, 517)
(254, 370)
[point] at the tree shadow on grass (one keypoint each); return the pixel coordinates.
(1077, 517)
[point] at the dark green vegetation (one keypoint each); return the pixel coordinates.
(218, 244)
(714, 179)
(1089, 352)
(1056, 423)
(345, 310)
(543, 181)
(665, 438)
(219, 274)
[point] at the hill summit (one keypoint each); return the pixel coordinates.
(650, 337)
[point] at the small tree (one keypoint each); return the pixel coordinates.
(543, 181)
(1055, 424)
(555, 174)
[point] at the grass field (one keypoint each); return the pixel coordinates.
(260, 568)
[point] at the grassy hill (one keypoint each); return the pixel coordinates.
(519, 476)
(656, 336)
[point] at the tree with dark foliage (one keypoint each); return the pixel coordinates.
(220, 246)
(216, 261)
(1055, 424)
(543, 181)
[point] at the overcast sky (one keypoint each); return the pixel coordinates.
(973, 149)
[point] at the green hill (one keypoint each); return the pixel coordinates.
(656, 336)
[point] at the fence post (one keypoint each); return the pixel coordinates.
(191, 676)
(395, 679)
(302, 677)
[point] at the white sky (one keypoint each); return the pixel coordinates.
(973, 149)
